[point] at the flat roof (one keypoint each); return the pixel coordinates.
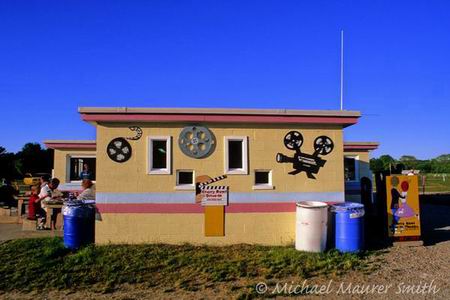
(360, 146)
(222, 115)
(71, 144)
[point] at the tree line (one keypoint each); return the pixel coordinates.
(31, 159)
(440, 164)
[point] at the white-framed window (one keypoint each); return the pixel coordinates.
(185, 180)
(351, 168)
(262, 180)
(79, 167)
(236, 154)
(159, 158)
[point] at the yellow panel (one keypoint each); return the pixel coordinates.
(214, 221)
(402, 193)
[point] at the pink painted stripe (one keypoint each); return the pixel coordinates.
(70, 146)
(260, 207)
(196, 208)
(150, 208)
(218, 118)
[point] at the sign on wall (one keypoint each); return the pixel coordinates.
(403, 207)
(214, 213)
(214, 195)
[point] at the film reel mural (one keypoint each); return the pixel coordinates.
(119, 149)
(303, 162)
(196, 141)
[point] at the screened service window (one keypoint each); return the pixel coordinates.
(159, 160)
(236, 161)
(159, 154)
(235, 154)
(350, 168)
(81, 168)
(262, 177)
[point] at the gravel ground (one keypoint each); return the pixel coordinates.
(400, 272)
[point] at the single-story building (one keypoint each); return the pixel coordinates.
(213, 176)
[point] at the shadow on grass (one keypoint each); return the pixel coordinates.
(36, 264)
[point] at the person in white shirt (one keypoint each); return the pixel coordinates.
(44, 194)
(88, 192)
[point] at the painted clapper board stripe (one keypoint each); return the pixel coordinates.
(215, 188)
(212, 180)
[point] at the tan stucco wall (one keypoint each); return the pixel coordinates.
(257, 228)
(61, 157)
(264, 142)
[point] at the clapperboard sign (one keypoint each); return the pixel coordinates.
(214, 195)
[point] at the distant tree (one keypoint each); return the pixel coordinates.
(440, 165)
(34, 159)
(376, 165)
(443, 157)
(404, 158)
(388, 162)
(424, 166)
(8, 164)
(408, 162)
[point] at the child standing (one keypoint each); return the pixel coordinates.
(44, 194)
(33, 207)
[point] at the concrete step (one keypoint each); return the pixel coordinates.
(29, 224)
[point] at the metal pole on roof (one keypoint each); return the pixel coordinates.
(342, 69)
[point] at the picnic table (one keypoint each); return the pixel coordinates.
(21, 199)
(54, 219)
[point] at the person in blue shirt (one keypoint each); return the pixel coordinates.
(86, 173)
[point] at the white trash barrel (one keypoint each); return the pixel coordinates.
(311, 226)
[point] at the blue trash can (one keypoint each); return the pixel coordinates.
(79, 224)
(349, 226)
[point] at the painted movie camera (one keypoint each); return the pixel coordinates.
(303, 162)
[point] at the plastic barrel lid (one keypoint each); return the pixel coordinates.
(347, 206)
(312, 204)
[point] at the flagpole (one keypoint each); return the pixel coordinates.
(342, 69)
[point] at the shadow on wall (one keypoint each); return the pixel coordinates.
(353, 187)
(435, 218)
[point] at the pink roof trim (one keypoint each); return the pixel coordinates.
(345, 121)
(72, 145)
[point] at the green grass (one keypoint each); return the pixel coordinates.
(435, 183)
(34, 264)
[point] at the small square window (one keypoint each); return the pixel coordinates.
(185, 180)
(261, 177)
(185, 177)
(263, 180)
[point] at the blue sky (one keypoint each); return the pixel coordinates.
(58, 55)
